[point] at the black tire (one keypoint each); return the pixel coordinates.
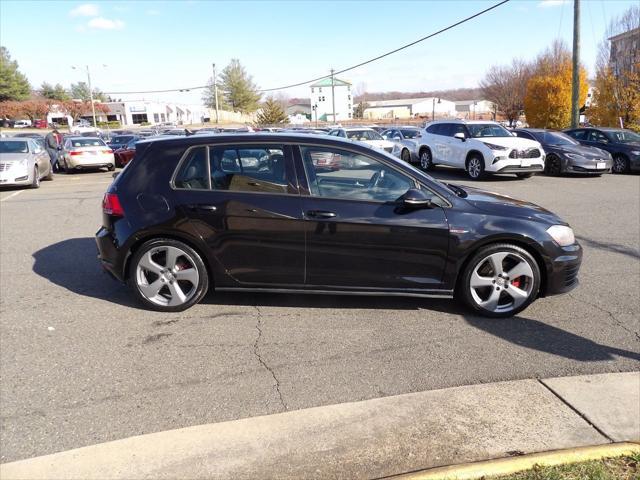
(406, 155)
(524, 175)
(36, 178)
(111, 167)
(620, 164)
(552, 166)
(475, 167)
(191, 258)
(479, 259)
(118, 161)
(67, 169)
(426, 159)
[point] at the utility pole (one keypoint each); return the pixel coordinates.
(93, 107)
(575, 81)
(333, 96)
(215, 91)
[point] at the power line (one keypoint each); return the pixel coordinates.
(337, 72)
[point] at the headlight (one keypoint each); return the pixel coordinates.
(635, 152)
(495, 147)
(574, 156)
(562, 235)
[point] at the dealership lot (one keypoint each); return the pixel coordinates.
(82, 363)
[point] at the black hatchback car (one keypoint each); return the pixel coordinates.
(622, 144)
(566, 155)
(263, 212)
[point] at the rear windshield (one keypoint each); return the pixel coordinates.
(13, 147)
(87, 142)
(363, 135)
(410, 133)
(122, 139)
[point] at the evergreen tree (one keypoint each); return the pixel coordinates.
(238, 89)
(13, 84)
(56, 92)
(272, 113)
(80, 91)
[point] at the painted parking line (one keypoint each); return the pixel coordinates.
(11, 196)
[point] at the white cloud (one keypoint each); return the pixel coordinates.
(153, 12)
(551, 3)
(101, 23)
(85, 10)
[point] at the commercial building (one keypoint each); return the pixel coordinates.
(322, 103)
(410, 108)
(475, 110)
(625, 52)
(143, 112)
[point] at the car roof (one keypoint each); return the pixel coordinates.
(465, 122)
(351, 129)
(536, 130)
(249, 137)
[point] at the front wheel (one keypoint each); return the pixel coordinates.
(111, 168)
(524, 175)
(500, 281)
(36, 178)
(426, 161)
(168, 276)
(620, 164)
(475, 167)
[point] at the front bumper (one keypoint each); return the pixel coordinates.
(16, 178)
(562, 272)
(514, 165)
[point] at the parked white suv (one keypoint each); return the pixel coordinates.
(479, 147)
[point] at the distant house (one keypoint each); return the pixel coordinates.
(475, 110)
(299, 108)
(625, 51)
(322, 100)
(410, 108)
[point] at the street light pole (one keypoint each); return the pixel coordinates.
(575, 81)
(215, 91)
(315, 113)
(333, 96)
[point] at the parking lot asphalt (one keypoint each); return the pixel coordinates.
(82, 363)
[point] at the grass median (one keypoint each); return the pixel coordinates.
(618, 468)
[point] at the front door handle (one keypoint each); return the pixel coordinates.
(321, 214)
(204, 208)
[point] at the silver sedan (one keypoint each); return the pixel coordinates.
(406, 140)
(23, 162)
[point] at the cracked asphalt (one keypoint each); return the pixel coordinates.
(82, 363)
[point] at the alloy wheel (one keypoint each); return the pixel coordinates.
(619, 164)
(474, 168)
(501, 282)
(425, 160)
(167, 276)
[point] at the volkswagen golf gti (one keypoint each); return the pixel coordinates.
(261, 212)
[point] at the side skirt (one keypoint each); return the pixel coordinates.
(381, 293)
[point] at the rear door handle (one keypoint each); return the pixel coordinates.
(321, 214)
(204, 208)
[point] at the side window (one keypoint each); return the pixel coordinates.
(432, 129)
(524, 135)
(578, 134)
(249, 169)
(335, 173)
(456, 128)
(596, 136)
(334, 133)
(193, 173)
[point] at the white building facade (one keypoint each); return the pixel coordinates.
(410, 108)
(322, 103)
(146, 112)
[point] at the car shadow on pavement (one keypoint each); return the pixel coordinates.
(610, 247)
(73, 264)
(454, 174)
(537, 335)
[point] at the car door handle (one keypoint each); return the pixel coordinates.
(204, 208)
(321, 214)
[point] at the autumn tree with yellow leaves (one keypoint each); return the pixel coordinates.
(547, 102)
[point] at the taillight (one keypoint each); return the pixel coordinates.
(75, 152)
(111, 205)
(107, 151)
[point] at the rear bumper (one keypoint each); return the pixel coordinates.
(562, 273)
(108, 254)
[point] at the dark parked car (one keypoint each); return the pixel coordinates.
(119, 141)
(125, 154)
(566, 155)
(622, 144)
(252, 212)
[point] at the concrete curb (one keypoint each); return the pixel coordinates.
(508, 466)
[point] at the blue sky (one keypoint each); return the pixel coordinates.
(150, 45)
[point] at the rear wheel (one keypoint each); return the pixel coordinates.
(426, 161)
(500, 280)
(36, 178)
(168, 275)
(111, 167)
(475, 167)
(620, 164)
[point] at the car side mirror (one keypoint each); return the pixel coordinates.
(415, 198)
(460, 136)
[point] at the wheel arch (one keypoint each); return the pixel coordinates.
(519, 241)
(423, 148)
(471, 153)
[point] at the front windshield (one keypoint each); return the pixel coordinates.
(555, 138)
(410, 133)
(624, 136)
(13, 147)
(478, 130)
(363, 135)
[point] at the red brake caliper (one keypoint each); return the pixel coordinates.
(516, 282)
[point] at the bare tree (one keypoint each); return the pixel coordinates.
(506, 86)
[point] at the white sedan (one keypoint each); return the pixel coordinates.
(365, 135)
(85, 153)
